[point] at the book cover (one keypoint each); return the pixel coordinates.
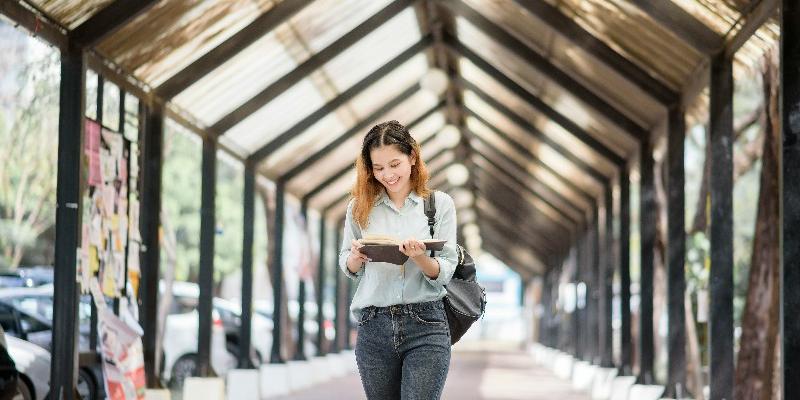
(388, 251)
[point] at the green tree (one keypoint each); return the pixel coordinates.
(28, 139)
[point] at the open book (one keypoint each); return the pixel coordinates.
(382, 248)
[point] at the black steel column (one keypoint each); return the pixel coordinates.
(149, 222)
(64, 361)
(606, 284)
(299, 354)
(647, 229)
(790, 91)
(594, 288)
(247, 265)
(337, 304)
(626, 345)
(206, 275)
(676, 258)
(575, 331)
(580, 313)
(277, 275)
(93, 308)
(321, 288)
(721, 188)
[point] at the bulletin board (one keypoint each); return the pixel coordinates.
(111, 239)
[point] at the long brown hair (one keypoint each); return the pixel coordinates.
(367, 188)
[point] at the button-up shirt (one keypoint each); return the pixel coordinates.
(383, 284)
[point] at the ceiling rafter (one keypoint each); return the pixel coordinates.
(306, 68)
(107, 21)
(228, 49)
(339, 100)
(582, 38)
(554, 73)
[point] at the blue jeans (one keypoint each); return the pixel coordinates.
(403, 351)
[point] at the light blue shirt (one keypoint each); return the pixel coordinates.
(383, 284)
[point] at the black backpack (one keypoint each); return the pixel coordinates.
(466, 299)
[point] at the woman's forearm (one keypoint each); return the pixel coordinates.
(428, 265)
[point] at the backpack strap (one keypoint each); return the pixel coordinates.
(430, 212)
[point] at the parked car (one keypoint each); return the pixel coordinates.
(32, 308)
(264, 308)
(33, 364)
(27, 277)
(186, 294)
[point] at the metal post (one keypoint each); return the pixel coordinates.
(606, 282)
(150, 221)
(593, 291)
(93, 308)
(277, 275)
(247, 265)
(647, 229)
(790, 98)
(676, 248)
(206, 275)
(64, 361)
(626, 345)
(299, 354)
(580, 261)
(321, 287)
(721, 188)
(575, 325)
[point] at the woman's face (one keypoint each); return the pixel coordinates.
(392, 168)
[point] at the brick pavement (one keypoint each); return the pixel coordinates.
(475, 373)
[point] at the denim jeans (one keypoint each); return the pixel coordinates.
(403, 351)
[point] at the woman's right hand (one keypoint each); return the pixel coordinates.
(357, 258)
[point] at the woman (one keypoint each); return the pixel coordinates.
(403, 345)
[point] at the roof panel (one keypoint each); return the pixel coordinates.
(239, 79)
(324, 21)
(277, 116)
(547, 154)
(521, 108)
(361, 106)
(70, 13)
(554, 95)
(170, 35)
(345, 153)
(373, 50)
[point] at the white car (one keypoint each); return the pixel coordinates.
(33, 364)
(180, 339)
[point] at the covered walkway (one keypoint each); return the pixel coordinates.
(488, 371)
(558, 126)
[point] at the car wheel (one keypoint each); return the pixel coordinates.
(86, 387)
(23, 391)
(185, 367)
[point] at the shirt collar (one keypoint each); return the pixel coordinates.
(384, 198)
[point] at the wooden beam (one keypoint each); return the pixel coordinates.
(526, 53)
(358, 128)
(533, 182)
(721, 238)
(580, 37)
(310, 65)
(533, 157)
(37, 24)
(512, 183)
(684, 25)
(551, 113)
(107, 21)
(753, 20)
(499, 220)
(338, 174)
(232, 46)
(535, 132)
(340, 100)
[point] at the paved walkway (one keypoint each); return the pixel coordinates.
(476, 372)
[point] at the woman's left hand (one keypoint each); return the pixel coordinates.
(412, 248)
